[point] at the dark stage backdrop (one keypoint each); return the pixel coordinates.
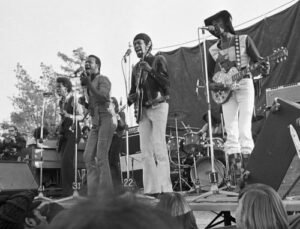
(185, 64)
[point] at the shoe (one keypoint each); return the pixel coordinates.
(155, 195)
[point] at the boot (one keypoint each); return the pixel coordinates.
(235, 168)
(245, 159)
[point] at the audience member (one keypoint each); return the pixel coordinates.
(260, 207)
(120, 212)
(176, 205)
(50, 210)
(19, 211)
(12, 145)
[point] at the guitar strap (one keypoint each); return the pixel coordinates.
(237, 51)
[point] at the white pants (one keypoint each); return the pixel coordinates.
(238, 111)
(156, 165)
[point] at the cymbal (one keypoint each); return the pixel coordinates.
(177, 115)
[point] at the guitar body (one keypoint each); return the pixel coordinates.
(138, 106)
(224, 79)
(225, 82)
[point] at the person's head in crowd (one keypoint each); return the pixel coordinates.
(12, 131)
(63, 86)
(260, 207)
(50, 210)
(19, 211)
(113, 212)
(176, 205)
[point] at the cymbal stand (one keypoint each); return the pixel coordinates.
(41, 187)
(197, 180)
(180, 179)
(213, 175)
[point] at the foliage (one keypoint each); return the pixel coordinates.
(28, 103)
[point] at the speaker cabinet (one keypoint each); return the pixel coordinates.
(15, 177)
(274, 149)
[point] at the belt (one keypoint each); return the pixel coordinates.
(154, 104)
(247, 77)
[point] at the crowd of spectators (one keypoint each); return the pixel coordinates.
(259, 207)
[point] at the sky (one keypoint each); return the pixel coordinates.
(34, 31)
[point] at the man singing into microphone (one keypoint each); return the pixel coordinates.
(103, 126)
(235, 51)
(150, 76)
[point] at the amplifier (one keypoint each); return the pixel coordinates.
(133, 140)
(288, 92)
(50, 158)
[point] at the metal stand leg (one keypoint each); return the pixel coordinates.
(41, 187)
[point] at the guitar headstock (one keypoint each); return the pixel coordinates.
(148, 49)
(279, 55)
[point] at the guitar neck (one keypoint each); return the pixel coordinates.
(279, 55)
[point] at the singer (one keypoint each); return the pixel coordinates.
(150, 79)
(103, 126)
(235, 50)
(67, 135)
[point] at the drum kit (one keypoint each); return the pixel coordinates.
(189, 155)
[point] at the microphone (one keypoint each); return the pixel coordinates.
(210, 28)
(127, 53)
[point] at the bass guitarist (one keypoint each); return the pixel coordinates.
(150, 91)
(235, 51)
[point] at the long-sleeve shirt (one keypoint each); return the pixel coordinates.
(101, 101)
(157, 81)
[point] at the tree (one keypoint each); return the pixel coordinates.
(28, 103)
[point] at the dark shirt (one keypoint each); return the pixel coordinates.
(157, 81)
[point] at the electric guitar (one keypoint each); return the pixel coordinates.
(225, 82)
(141, 78)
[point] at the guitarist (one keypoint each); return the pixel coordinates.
(67, 135)
(238, 110)
(154, 86)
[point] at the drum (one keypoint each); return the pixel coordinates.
(218, 143)
(203, 167)
(192, 142)
(172, 146)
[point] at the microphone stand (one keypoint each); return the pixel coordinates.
(127, 181)
(41, 187)
(213, 176)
